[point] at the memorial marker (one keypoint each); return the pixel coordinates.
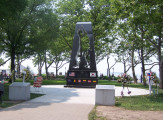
(82, 69)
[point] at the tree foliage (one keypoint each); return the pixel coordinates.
(15, 29)
(144, 18)
(125, 27)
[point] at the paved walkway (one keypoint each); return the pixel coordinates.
(59, 103)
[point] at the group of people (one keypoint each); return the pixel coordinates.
(2, 82)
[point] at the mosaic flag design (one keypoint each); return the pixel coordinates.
(84, 80)
(71, 74)
(89, 81)
(39, 78)
(92, 74)
(94, 81)
(74, 81)
(69, 80)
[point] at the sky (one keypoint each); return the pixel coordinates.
(101, 68)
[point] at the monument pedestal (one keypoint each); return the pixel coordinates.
(105, 95)
(80, 78)
(19, 91)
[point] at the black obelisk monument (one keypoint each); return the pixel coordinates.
(82, 69)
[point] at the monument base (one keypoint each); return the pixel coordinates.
(80, 78)
(105, 95)
(19, 91)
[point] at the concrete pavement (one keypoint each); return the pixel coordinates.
(46, 111)
(59, 103)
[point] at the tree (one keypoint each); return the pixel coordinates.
(9, 8)
(39, 61)
(15, 24)
(43, 35)
(83, 11)
(151, 25)
(125, 47)
(58, 55)
(1, 60)
(129, 43)
(98, 12)
(110, 67)
(146, 16)
(9, 38)
(19, 59)
(154, 27)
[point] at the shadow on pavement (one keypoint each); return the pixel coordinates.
(52, 95)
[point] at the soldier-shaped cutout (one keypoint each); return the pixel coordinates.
(82, 69)
(83, 56)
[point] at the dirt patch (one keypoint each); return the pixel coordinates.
(116, 113)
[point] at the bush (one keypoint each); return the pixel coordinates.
(43, 76)
(116, 77)
(61, 76)
(28, 75)
(105, 78)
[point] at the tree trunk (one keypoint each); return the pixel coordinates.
(39, 70)
(39, 65)
(108, 70)
(13, 63)
(161, 75)
(133, 68)
(160, 60)
(46, 68)
(124, 64)
(56, 71)
(142, 58)
(18, 66)
(143, 67)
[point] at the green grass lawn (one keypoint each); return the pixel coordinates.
(8, 103)
(107, 82)
(100, 82)
(48, 82)
(144, 102)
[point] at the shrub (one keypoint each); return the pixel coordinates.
(44, 76)
(61, 76)
(105, 78)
